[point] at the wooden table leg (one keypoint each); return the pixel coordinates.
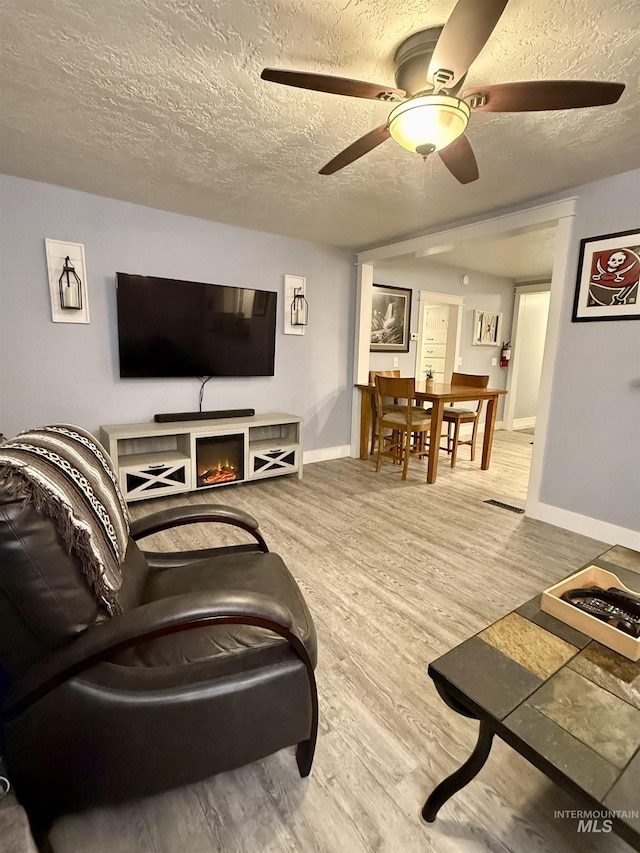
(365, 423)
(489, 426)
(434, 440)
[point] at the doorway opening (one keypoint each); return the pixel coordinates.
(439, 331)
(557, 217)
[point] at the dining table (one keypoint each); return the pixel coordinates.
(438, 394)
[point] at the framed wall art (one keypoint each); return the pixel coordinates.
(487, 328)
(608, 276)
(390, 319)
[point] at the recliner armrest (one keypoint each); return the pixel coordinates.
(166, 519)
(158, 618)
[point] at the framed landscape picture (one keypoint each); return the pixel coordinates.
(608, 276)
(390, 319)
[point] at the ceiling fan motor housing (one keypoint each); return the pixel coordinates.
(412, 59)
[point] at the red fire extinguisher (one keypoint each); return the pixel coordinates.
(505, 354)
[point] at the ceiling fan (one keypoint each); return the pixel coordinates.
(430, 68)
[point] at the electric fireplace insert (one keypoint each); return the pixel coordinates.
(219, 459)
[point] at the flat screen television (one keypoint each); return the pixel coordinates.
(170, 328)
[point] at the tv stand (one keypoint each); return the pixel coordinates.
(157, 459)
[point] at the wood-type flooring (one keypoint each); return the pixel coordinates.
(395, 573)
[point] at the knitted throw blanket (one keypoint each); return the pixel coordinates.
(65, 474)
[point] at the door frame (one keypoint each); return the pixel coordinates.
(562, 213)
(514, 366)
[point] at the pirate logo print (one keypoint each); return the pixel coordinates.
(608, 278)
(615, 274)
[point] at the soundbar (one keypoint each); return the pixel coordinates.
(167, 417)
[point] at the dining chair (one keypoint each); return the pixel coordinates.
(374, 413)
(454, 417)
(409, 423)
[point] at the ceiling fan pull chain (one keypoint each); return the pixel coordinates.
(427, 173)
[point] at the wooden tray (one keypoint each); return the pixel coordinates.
(609, 636)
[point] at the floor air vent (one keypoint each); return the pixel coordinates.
(505, 506)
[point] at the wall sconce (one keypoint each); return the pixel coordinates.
(68, 291)
(70, 287)
(296, 307)
(299, 308)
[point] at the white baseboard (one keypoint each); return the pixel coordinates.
(326, 453)
(524, 423)
(467, 429)
(612, 534)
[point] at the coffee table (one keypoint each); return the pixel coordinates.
(566, 703)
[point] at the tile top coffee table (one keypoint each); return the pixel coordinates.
(566, 703)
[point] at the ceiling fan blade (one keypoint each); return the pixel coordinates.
(330, 84)
(463, 37)
(460, 160)
(357, 149)
(544, 95)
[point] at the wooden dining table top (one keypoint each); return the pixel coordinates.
(447, 392)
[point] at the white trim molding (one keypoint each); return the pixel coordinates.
(594, 528)
(562, 258)
(439, 240)
(524, 423)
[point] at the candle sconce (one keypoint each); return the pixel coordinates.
(296, 307)
(70, 288)
(299, 308)
(68, 291)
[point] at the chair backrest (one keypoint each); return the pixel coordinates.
(374, 373)
(473, 380)
(401, 390)
(372, 379)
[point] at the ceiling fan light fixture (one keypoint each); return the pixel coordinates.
(428, 122)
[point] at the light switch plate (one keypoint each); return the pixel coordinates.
(494, 362)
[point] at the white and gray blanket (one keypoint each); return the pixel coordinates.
(65, 474)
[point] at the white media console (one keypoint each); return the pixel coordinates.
(155, 459)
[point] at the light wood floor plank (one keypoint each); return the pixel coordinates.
(395, 574)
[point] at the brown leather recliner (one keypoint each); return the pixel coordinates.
(209, 666)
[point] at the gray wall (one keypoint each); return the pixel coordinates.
(65, 372)
(484, 292)
(592, 459)
(52, 371)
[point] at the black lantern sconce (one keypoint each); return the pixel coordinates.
(299, 308)
(70, 287)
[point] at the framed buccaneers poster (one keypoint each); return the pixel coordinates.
(608, 277)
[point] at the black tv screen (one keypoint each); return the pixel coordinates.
(172, 328)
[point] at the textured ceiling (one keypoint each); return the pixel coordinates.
(160, 102)
(527, 255)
